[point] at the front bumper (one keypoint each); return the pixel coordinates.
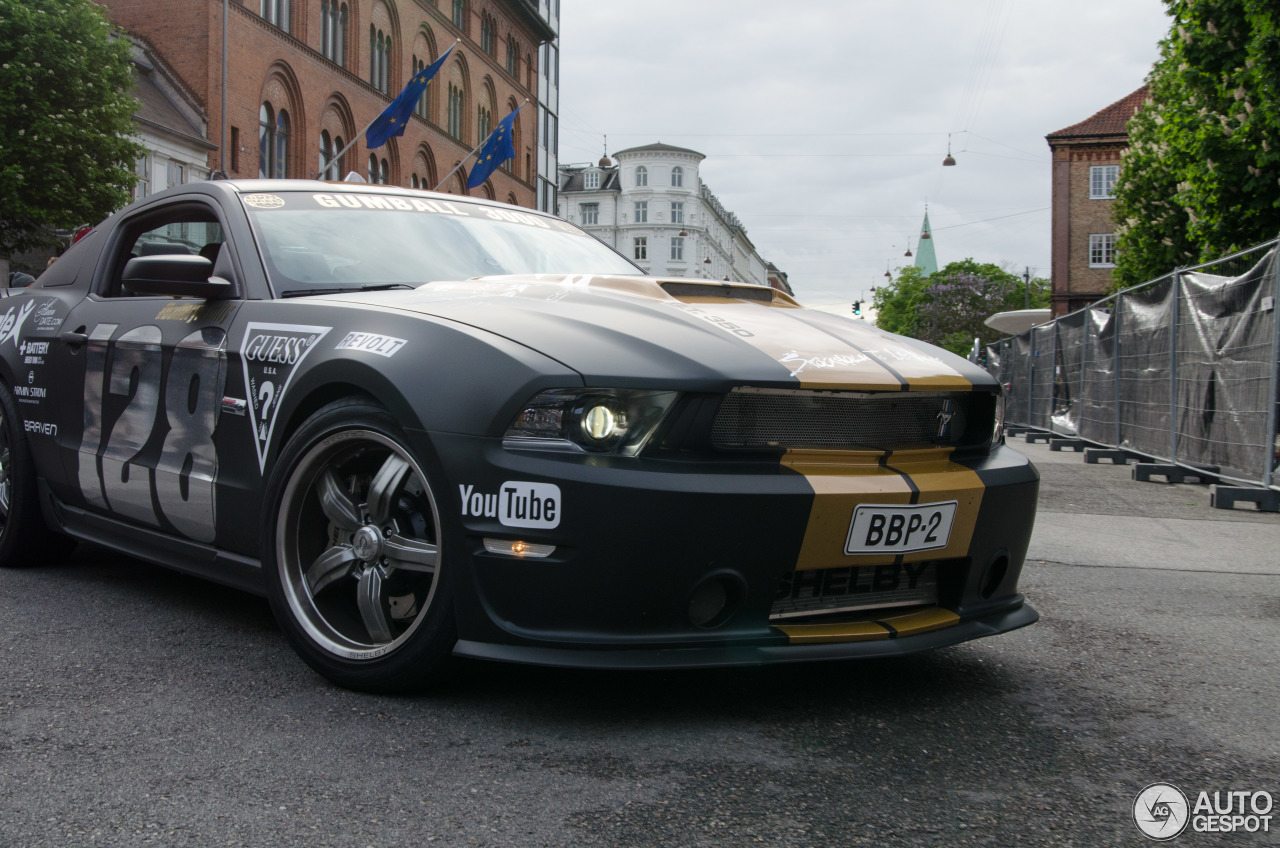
(634, 539)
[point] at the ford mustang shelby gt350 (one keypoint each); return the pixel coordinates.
(426, 425)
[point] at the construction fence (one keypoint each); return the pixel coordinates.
(1184, 369)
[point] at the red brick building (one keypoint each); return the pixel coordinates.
(1086, 162)
(304, 77)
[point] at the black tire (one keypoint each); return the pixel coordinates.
(25, 539)
(353, 554)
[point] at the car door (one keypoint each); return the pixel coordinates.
(154, 368)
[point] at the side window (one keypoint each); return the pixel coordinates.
(183, 230)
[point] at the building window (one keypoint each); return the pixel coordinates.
(460, 14)
(642, 247)
(591, 179)
(330, 168)
(379, 173)
(487, 28)
(455, 111)
(273, 142)
(642, 176)
(677, 176)
(484, 123)
(677, 249)
(590, 214)
(642, 212)
(379, 59)
(174, 174)
(143, 169)
(333, 30)
(1102, 250)
(276, 12)
(513, 56)
(1102, 181)
(677, 213)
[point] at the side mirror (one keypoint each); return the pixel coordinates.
(174, 275)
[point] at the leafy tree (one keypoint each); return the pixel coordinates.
(947, 308)
(66, 152)
(1199, 179)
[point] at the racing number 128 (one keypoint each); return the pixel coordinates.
(181, 482)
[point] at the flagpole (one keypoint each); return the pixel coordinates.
(337, 157)
(473, 152)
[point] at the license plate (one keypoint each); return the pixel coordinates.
(889, 529)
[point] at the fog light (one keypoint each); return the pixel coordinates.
(996, 572)
(516, 548)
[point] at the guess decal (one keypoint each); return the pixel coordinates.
(269, 354)
(134, 399)
(517, 504)
(371, 343)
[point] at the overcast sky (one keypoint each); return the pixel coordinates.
(825, 122)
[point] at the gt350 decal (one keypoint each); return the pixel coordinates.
(269, 354)
(178, 484)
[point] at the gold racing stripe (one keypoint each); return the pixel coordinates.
(896, 626)
(842, 480)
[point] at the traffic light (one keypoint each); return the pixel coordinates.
(857, 307)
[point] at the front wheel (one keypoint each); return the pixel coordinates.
(354, 554)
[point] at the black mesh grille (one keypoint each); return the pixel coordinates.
(763, 419)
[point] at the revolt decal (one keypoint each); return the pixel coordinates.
(371, 343)
(269, 354)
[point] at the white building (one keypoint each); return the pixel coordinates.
(653, 207)
(170, 124)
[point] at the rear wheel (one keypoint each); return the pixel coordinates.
(25, 539)
(354, 556)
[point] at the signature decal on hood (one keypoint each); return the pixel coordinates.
(834, 360)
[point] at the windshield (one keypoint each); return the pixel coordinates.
(341, 241)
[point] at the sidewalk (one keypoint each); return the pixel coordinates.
(1097, 515)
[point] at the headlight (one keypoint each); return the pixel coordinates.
(617, 421)
(997, 431)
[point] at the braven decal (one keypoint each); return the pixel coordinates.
(270, 353)
(517, 504)
(371, 343)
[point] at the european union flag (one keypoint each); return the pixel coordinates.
(496, 150)
(393, 119)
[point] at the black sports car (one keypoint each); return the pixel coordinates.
(424, 424)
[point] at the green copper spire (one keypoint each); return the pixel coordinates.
(926, 260)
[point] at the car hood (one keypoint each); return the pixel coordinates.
(684, 334)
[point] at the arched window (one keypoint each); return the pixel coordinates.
(488, 33)
(455, 111)
(677, 176)
(513, 56)
(460, 14)
(642, 176)
(484, 123)
(330, 168)
(379, 58)
(276, 12)
(414, 182)
(333, 30)
(420, 108)
(273, 142)
(379, 173)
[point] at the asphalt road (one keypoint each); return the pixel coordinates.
(140, 707)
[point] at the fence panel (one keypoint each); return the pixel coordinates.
(1016, 363)
(1144, 366)
(1226, 367)
(1098, 397)
(1040, 414)
(1068, 369)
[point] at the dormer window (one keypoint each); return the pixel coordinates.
(591, 179)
